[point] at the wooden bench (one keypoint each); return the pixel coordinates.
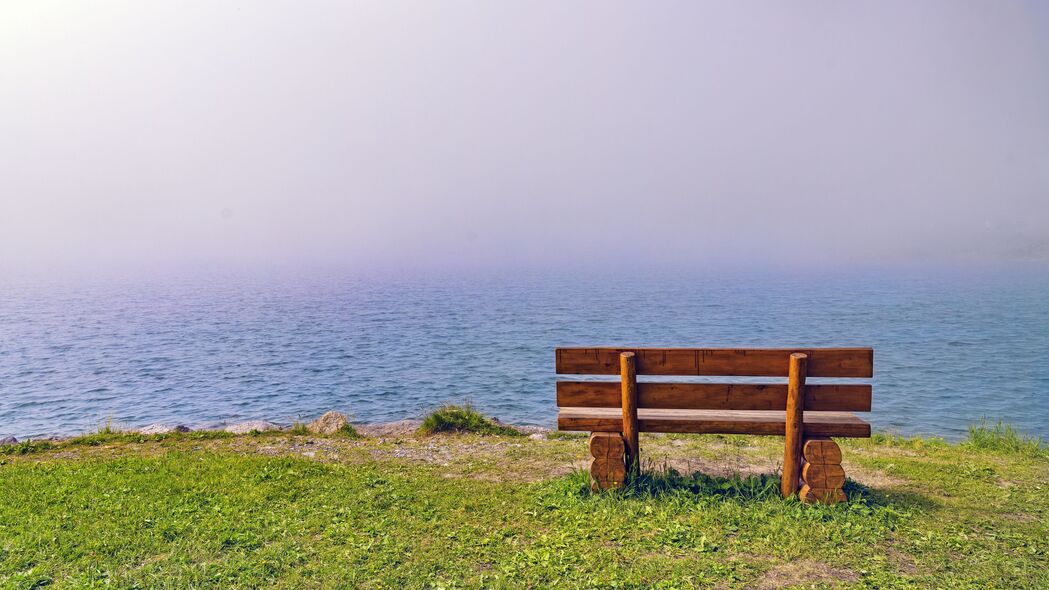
(614, 412)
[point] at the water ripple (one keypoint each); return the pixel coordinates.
(950, 350)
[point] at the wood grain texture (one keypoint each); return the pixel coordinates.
(812, 495)
(769, 422)
(714, 396)
(628, 385)
(823, 476)
(607, 473)
(823, 451)
(607, 444)
(758, 362)
(794, 424)
(608, 466)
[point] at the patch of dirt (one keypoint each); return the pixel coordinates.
(805, 573)
(71, 454)
(492, 459)
(903, 562)
(885, 451)
(872, 478)
(325, 450)
(726, 467)
(523, 471)
(728, 460)
(431, 453)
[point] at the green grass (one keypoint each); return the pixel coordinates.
(1004, 438)
(28, 447)
(453, 418)
(348, 431)
(190, 510)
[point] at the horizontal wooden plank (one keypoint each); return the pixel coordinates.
(714, 396)
(770, 422)
(754, 362)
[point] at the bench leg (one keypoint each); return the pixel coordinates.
(608, 465)
(821, 474)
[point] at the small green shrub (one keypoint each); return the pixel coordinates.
(299, 428)
(26, 447)
(453, 418)
(101, 437)
(105, 433)
(1003, 437)
(348, 431)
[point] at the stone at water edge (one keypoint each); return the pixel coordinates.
(530, 429)
(9, 441)
(330, 423)
(163, 429)
(251, 426)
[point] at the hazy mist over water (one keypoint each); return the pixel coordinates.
(216, 210)
(171, 135)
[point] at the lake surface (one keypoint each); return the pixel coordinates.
(950, 348)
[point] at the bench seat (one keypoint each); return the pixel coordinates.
(771, 422)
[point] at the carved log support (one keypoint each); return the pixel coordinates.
(608, 465)
(822, 475)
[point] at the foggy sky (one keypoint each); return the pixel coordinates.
(494, 133)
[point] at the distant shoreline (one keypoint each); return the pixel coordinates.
(396, 428)
(372, 429)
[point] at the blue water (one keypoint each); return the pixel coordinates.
(951, 348)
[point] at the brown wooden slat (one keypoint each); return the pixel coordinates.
(755, 362)
(840, 424)
(714, 396)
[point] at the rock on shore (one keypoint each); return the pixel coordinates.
(329, 423)
(163, 429)
(251, 426)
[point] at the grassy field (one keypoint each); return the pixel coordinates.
(291, 510)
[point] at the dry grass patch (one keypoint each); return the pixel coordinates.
(805, 573)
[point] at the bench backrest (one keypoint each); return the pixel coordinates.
(736, 362)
